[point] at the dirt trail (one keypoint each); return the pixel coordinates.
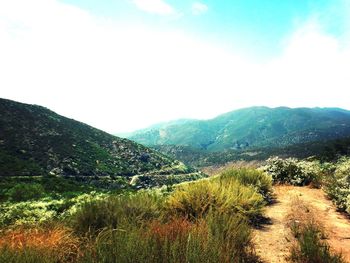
(273, 241)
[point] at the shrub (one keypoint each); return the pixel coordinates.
(24, 192)
(24, 213)
(294, 172)
(261, 181)
(116, 211)
(46, 209)
(223, 194)
(338, 185)
(231, 236)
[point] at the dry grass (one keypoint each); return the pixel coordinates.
(309, 233)
(301, 214)
(58, 241)
(176, 228)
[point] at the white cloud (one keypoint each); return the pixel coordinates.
(313, 68)
(158, 7)
(199, 8)
(120, 78)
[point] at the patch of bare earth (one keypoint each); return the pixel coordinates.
(273, 241)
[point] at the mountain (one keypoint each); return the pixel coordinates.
(37, 141)
(250, 128)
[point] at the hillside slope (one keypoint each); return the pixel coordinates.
(37, 141)
(326, 150)
(251, 127)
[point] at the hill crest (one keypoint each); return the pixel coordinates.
(36, 141)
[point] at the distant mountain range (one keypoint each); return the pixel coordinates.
(37, 141)
(250, 128)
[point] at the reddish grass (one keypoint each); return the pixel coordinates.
(58, 240)
(176, 228)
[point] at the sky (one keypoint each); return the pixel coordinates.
(122, 65)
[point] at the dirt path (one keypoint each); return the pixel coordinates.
(273, 241)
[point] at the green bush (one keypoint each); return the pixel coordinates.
(27, 255)
(338, 185)
(231, 236)
(116, 211)
(18, 189)
(24, 192)
(294, 172)
(224, 194)
(47, 209)
(261, 181)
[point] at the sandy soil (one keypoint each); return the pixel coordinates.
(273, 240)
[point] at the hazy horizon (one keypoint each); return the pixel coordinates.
(123, 65)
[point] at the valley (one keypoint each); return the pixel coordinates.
(73, 193)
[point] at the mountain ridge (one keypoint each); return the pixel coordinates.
(252, 127)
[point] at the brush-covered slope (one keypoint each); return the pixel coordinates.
(37, 141)
(251, 127)
(329, 150)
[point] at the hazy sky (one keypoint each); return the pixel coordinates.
(121, 65)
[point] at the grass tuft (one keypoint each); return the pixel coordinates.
(232, 192)
(310, 246)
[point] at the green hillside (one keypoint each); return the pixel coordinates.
(250, 128)
(329, 150)
(37, 141)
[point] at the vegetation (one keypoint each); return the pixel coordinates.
(334, 178)
(208, 220)
(43, 210)
(16, 189)
(196, 200)
(293, 171)
(309, 233)
(29, 200)
(220, 238)
(117, 211)
(55, 243)
(311, 248)
(325, 151)
(338, 184)
(261, 181)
